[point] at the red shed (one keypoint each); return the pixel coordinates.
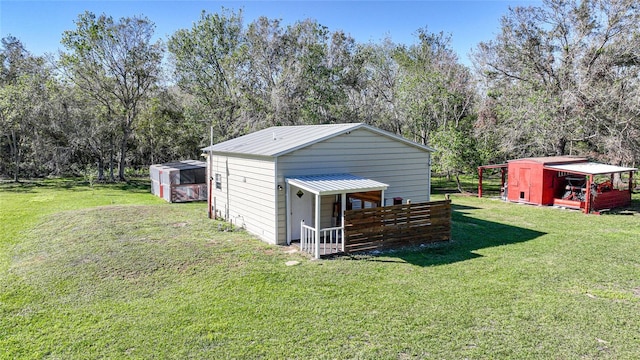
(563, 181)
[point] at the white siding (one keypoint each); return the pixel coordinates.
(403, 167)
(248, 193)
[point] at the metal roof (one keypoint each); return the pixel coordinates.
(181, 165)
(553, 159)
(280, 140)
(335, 184)
(590, 168)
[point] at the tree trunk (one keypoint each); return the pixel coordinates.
(16, 155)
(111, 159)
(459, 184)
(100, 169)
(123, 151)
(561, 146)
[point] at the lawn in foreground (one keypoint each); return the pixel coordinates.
(110, 272)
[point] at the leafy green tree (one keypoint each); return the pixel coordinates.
(434, 89)
(207, 63)
(116, 63)
(23, 106)
(166, 131)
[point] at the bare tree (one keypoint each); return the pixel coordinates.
(562, 78)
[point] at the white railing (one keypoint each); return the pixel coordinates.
(330, 240)
(307, 238)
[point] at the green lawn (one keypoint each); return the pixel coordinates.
(113, 272)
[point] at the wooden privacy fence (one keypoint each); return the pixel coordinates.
(397, 225)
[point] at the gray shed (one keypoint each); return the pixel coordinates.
(180, 181)
(273, 180)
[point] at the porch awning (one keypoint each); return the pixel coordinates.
(335, 184)
(589, 168)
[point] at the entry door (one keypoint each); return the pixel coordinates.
(301, 209)
(525, 184)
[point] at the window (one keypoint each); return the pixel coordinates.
(218, 181)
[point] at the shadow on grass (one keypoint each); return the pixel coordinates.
(468, 235)
(138, 185)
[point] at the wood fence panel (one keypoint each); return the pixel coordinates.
(397, 225)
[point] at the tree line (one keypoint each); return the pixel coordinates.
(560, 78)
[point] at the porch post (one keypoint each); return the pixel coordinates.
(317, 225)
(343, 208)
(287, 211)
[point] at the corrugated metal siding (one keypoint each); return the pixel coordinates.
(335, 183)
(590, 168)
(166, 177)
(364, 153)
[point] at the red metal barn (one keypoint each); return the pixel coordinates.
(566, 181)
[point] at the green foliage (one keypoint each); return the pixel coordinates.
(120, 273)
(115, 64)
(457, 150)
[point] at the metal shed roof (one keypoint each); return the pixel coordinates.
(335, 184)
(181, 165)
(280, 140)
(553, 159)
(590, 168)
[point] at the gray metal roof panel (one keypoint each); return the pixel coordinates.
(280, 140)
(277, 140)
(335, 183)
(590, 168)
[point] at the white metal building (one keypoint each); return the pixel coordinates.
(271, 180)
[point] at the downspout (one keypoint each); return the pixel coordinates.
(209, 168)
(226, 215)
(210, 190)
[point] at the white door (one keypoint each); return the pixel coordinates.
(301, 209)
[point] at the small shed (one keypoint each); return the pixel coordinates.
(279, 181)
(567, 181)
(180, 181)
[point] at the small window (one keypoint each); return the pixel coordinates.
(218, 181)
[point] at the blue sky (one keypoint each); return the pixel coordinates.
(39, 24)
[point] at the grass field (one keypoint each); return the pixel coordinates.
(113, 272)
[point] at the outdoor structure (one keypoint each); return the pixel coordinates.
(567, 181)
(180, 181)
(293, 182)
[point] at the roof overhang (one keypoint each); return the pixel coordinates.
(335, 184)
(494, 166)
(589, 168)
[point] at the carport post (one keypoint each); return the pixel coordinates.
(587, 205)
(479, 181)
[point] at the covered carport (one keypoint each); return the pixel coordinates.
(597, 196)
